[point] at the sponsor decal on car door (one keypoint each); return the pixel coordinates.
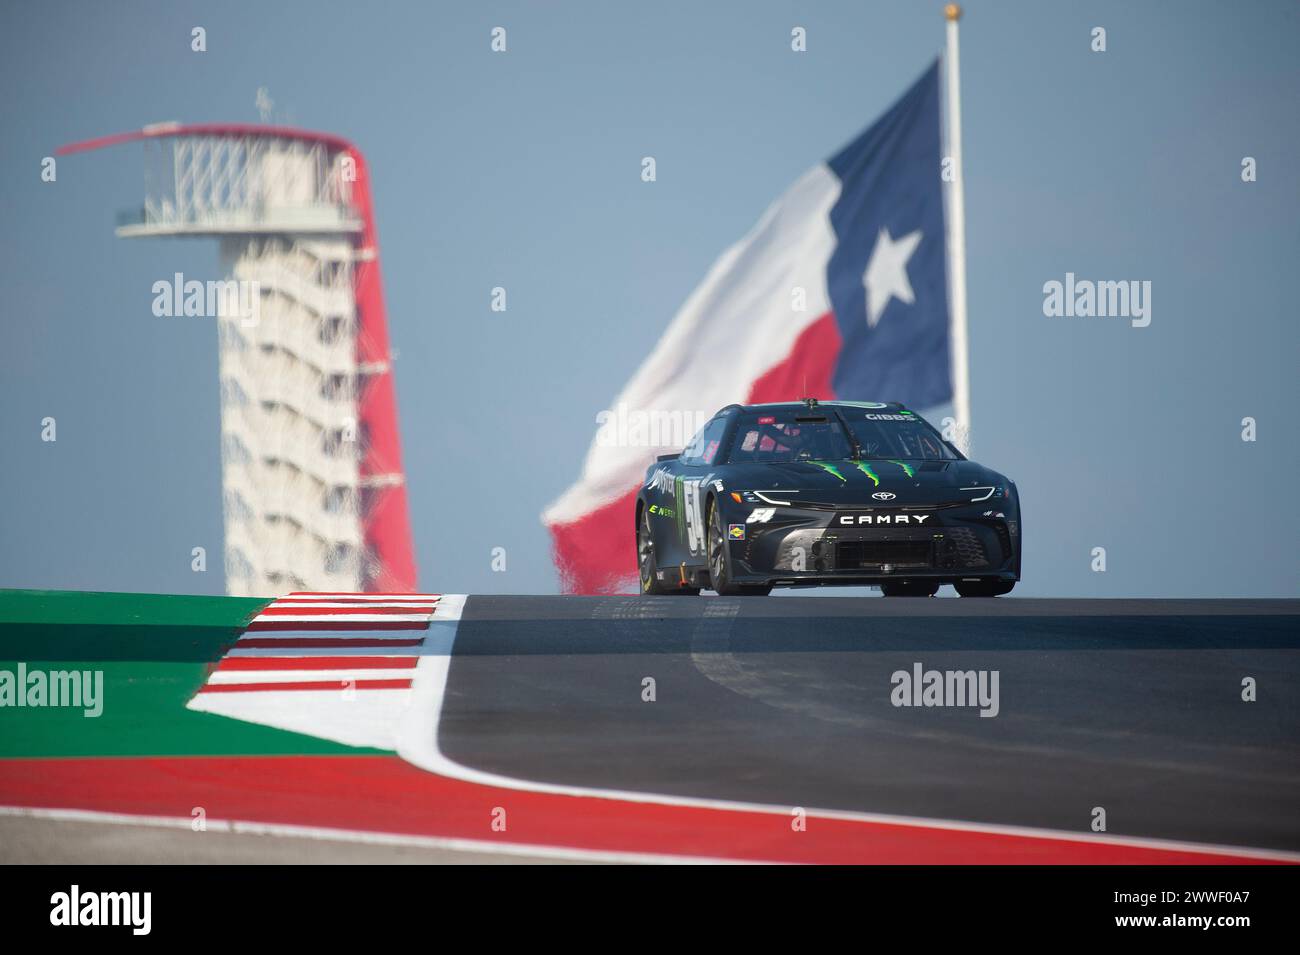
(690, 514)
(695, 531)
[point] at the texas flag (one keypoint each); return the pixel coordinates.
(839, 291)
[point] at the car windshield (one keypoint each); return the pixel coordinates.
(780, 438)
(884, 434)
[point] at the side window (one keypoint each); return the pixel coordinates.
(704, 447)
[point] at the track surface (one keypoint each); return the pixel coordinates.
(58, 842)
(1134, 706)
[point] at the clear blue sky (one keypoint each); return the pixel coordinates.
(522, 170)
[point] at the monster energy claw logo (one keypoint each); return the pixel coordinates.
(829, 468)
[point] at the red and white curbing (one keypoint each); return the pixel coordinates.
(336, 665)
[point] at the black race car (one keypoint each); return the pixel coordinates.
(809, 494)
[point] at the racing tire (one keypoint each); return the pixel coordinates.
(648, 566)
(720, 562)
(911, 588)
(984, 588)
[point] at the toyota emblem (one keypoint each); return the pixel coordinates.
(884, 495)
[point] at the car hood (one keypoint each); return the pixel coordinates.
(840, 482)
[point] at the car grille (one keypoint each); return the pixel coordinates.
(961, 547)
(858, 554)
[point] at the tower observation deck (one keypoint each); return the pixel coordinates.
(314, 497)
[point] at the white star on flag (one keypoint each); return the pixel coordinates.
(886, 275)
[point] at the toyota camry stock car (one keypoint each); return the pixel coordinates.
(811, 494)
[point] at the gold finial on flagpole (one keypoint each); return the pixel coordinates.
(952, 11)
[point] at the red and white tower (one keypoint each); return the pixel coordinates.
(314, 494)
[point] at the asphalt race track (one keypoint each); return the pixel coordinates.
(1130, 705)
(537, 707)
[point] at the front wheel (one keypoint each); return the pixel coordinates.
(720, 561)
(648, 565)
(984, 588)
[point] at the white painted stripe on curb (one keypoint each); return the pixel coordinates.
(279, 652)
(349, 618)
(326, 595)
(331, 635)
(365, 717)
(351, 607)
(228, 677)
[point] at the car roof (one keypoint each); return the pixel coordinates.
(803, 406)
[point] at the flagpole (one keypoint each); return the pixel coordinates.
(957, 237)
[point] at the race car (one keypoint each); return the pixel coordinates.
(833, 493)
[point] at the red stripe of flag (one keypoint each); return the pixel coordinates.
(308, 685)
(317, 663)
